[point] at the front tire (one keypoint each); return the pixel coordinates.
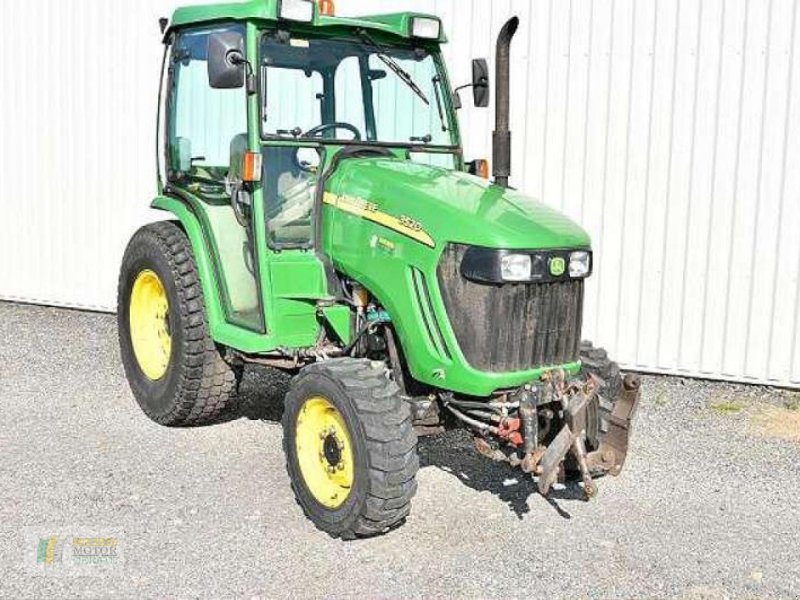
(351, 450)
(597, 362)
(175, 370)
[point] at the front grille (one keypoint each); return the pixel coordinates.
(511, 327)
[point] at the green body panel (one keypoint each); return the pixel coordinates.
(458, 207)
(398, 24)
(340, 318)
(296, 285)
(450, 207)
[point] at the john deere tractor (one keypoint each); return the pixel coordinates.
(323, 220)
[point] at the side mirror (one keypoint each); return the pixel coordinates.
(376, 74)
(480, 82)
(226, 61)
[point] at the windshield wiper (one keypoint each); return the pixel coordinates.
(401, 73)
(437, 82)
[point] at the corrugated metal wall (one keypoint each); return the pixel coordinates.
(77, 156)
(669, 128)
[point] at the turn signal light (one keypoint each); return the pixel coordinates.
(251, 167)
(479, 167)
(327, 8)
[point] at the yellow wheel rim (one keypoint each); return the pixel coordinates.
(149, 321)
(324, 452)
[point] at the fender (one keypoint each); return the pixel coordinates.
(194, 231)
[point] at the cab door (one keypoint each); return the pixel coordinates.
(293, 101)
(206, 136)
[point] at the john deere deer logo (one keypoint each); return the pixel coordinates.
(557, 266)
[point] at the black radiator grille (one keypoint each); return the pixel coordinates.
(512, 327)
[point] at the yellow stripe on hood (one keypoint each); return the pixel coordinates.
(369, 211)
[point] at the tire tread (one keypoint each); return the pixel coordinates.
(207, 384)
(597, 362)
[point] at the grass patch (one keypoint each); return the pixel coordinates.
(780, 423)
(727, 407)
(663, 399)
(792, 404)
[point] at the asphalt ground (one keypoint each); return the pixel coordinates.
(706, 508)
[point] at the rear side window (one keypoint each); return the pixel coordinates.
(205, 123)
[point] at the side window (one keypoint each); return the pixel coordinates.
(349, 109)
(205, 123)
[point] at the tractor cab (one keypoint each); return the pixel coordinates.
(257, 110)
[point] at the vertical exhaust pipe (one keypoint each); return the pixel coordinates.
(501, 158)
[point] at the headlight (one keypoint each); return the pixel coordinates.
(516, 267)
(297, 10)
(426, 28)
(580, 264)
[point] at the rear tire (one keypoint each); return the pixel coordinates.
(366, 487)
(194, 384)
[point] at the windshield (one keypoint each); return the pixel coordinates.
(352, 90)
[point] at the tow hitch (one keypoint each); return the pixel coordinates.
(574, 399)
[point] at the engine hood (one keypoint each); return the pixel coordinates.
(456, 207)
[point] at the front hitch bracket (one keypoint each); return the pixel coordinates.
(547, 462)
(610, 456)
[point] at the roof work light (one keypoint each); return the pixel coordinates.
(297, 10)
(426, 28)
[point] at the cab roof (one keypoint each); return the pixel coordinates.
(398, 24)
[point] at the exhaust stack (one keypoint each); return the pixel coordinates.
(501, 158)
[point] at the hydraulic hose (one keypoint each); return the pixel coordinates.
(479, 425)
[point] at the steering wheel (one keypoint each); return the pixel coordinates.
(320, 129)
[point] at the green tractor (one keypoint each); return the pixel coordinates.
(323, 220)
